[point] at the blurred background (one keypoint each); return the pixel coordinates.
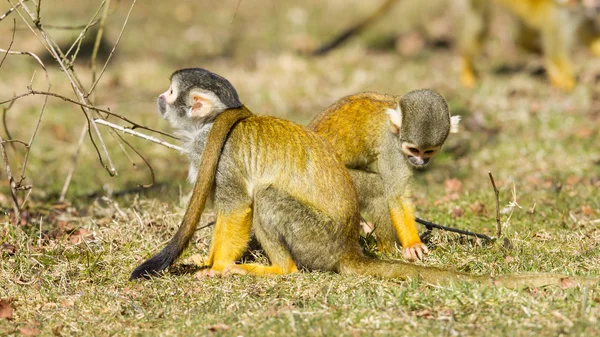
(514, 122)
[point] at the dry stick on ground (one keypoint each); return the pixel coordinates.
(498, 223)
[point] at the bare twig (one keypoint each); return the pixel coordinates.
(67, 182)
(81, 36)
(497, 193)
(51, 46)
(12, 9)
(97, 42)
(89, 106)
(11, 182)
(141, 135)
(152, 176)
(113, 49)
(12, 40)
(237, 8)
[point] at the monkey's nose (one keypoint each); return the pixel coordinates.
(161, 97)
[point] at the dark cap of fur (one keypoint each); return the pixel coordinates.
(189, 78)
(425, 118)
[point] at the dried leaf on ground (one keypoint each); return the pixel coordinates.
(6, 310)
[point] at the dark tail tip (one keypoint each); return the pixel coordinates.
(154, 266)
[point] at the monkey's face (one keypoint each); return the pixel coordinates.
(419, 156)
(186, 107)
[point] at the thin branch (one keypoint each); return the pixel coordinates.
(81, 35)
(497, 193)
(97, 43)
(113, 49)
(91, 24)
(14, 141)
(92, 107)
(153, 177)
(67, 182)
(141, 135)
(76, 85)
(11, 182)
(12, 9)
(12, 40)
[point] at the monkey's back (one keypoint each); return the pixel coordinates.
(352, 126)
(286, 156)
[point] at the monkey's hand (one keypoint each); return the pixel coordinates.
(415, 252)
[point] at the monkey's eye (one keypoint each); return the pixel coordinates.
(413, 150)
(170, 91)
(429, 152)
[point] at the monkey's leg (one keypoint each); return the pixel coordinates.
(589, 33)
(527, 38)
(556, 39)
(392, 223)
(474, 32)
(281, 260)
(269, 219)
(230, 238)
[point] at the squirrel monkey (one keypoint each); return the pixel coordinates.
(558, 22)
(379, 138)
(279, 179)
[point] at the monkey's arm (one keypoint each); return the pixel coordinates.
(395, 171)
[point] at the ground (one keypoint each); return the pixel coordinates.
(65, 267)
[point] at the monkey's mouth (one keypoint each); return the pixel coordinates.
(418, 162)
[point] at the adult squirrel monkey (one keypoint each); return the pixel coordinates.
(279, 179)
(558, 22)
(380, 138)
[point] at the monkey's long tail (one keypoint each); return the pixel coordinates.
(362, 265)
(204, 182)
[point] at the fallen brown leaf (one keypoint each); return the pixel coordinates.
(6, 310)
(478, 208)
(8, 248)
(29, 331)
(80, 235)
(452, 186)
(457, 212)
(542, 236)
(587, 210)
(219, 327)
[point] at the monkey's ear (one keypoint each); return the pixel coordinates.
(454, 121)
(201, 105)
(395, 116)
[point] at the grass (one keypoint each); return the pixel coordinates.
(68, 273)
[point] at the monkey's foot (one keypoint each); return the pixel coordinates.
(560, 75)
(468, 76)
(415, 252)
(595, 47)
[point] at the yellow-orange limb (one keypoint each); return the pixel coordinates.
(403, 219)
(230, 238)
(560, 73)
(262, 270)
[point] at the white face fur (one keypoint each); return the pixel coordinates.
(190, 111)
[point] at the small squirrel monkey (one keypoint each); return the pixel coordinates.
(558, 22)
(379, 138)
(279, 179)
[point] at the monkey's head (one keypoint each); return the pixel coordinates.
(422, 121)
(196, 96)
